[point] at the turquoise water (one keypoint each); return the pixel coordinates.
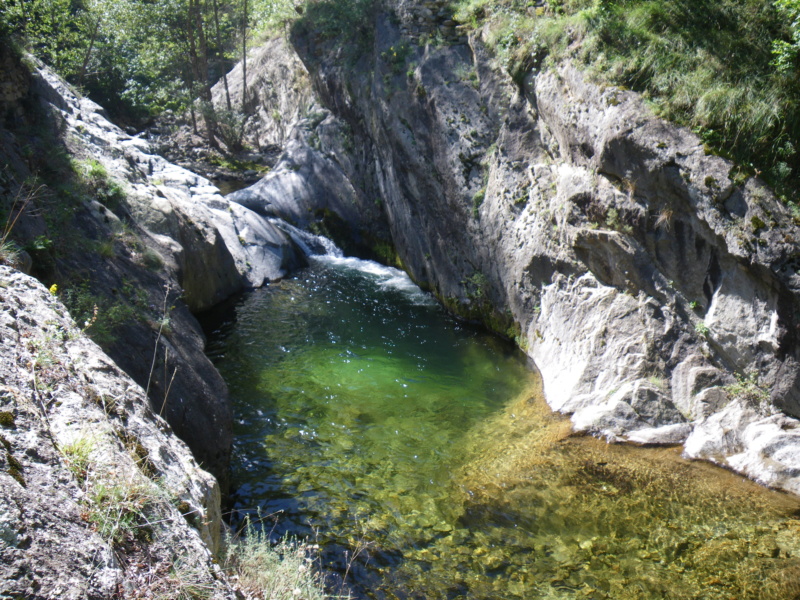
(418, 453)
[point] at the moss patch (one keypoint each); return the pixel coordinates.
(7, 420)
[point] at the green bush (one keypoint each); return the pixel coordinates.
(97, 315)
(350, 21)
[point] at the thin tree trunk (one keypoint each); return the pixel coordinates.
(89, 52)
(199, 63)
(244, 57)
(220, 57)
(25, 16)
(209, 114)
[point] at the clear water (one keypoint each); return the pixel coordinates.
(419, 454)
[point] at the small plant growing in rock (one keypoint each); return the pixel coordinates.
(77, 456)
(7, 420)
(748, 389)
(117, 508)
(9, 251)
(477, 200)
(702, 329)
(612, 218)
(152, 260)
(477, 285)
(664, 219)
(284, 571)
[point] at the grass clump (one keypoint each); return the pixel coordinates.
(118, 509)
(282, 571)
(77, 457)
(709, 64)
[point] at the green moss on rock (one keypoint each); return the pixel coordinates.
(7, 420)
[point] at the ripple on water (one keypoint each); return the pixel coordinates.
(366, 416)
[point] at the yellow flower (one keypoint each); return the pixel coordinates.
(54, 289)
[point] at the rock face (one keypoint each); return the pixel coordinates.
(145, 242)
(654, 289)
(278, 93)
(98, 498)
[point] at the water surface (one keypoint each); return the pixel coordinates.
(418, 453)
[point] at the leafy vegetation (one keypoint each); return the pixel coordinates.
(750, 390)
(727, 68)
(349, 20)
(135, 58)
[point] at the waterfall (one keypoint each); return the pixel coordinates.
(310, 244)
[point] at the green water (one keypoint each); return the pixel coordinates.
(418, 453)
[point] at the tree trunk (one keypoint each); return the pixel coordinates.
(89, 52)
(220, 57)
(244, 56)
(198, 51)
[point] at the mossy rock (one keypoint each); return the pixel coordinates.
(7, 420)
(757, 223)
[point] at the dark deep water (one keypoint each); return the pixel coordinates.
(372, 422)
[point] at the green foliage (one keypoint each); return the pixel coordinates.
(396, 56)
(270, 17)
(477, 201)
(748, 389)
(98, 315)
(477, 285)
(93, 181)
(230, 128)
(786, 53)
(56, 30)
(702, 329)
(349, 21)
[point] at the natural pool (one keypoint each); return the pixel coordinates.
(370, 421)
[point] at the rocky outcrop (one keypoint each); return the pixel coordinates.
(652, 284)
(98, 498)
(279, 94)
(145, 242)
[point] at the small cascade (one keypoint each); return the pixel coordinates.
(310, 244)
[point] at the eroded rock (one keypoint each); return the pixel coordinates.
(622, 256)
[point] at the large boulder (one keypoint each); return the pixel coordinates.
(98, 497)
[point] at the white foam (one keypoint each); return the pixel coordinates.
(386, 277)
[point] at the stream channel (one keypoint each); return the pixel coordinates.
(418, 453)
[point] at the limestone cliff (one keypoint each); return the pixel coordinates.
(655, 290)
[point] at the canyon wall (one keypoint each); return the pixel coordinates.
(654, 287)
